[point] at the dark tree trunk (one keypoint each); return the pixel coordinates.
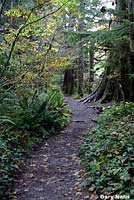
(131, 47)
(91, 73)
(80, 75)
(118, 82)
(68, 84)
(81, 54)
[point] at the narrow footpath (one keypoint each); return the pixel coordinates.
(54, 171)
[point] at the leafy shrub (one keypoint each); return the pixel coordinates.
(9, 160)
(47, 110)
(24, 120)
(108, 152)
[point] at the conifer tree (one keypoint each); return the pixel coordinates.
(118, 80)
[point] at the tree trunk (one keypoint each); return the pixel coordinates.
(68, 83)
(81, 54)
(91, 74)
(118, 82)
(131, 48)
(80, 74)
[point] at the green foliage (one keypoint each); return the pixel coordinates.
(27, 54)
(5, 119)
(29, 117)
(60, 110)
(46, 110)
(108, 151)
(9, 161)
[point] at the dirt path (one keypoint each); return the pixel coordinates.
(54, 172)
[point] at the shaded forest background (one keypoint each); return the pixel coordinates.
(85, 41)
(83, 48)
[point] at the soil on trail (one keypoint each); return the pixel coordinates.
(54, 171)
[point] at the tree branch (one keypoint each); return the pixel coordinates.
(49, 48)
(22, 28)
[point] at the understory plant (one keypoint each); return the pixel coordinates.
(25, 119)
(108, 152)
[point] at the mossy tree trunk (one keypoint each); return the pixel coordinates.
(118, 80)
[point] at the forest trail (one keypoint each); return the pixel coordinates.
(54, 171)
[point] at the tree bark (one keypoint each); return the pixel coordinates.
(68, 83)
(81, 54)
(118, 81)
(91, 74)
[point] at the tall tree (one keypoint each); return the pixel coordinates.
(118, 80)
(81, 54)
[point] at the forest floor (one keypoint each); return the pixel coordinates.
(54, 171)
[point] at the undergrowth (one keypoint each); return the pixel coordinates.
(108, 152)
(25, 119)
